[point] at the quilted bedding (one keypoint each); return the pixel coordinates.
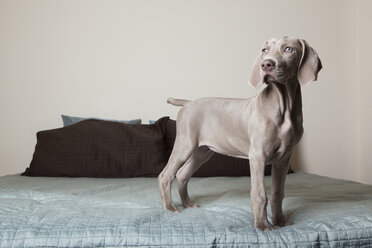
(86, 212)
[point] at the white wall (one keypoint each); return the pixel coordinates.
(122, 59)
(365, 90)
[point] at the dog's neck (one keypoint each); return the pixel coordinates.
(289, 99)
(289, 94)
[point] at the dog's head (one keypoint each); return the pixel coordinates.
(283, 60)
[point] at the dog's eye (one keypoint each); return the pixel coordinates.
(265, 50)
(288, 49)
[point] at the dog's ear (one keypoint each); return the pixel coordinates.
(255, 79)
(309, 65)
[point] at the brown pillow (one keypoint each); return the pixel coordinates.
(218, 164)
(96, 148)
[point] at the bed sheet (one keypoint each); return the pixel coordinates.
(91, 212)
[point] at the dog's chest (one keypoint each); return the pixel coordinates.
(285, 129)
(286, 139)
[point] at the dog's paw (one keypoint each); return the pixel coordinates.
(190, 204)
(281, 221)
(172, 208)
(264, 226)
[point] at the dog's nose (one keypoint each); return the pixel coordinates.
(267, 65)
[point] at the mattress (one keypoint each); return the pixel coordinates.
(87, 212)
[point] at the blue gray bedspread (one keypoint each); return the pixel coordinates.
(87, 212)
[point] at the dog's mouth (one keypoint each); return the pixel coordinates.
(272, 77)
(269, 78)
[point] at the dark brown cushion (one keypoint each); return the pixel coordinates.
(96, 148)
(218, 164)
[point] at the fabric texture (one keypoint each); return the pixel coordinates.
(97, 212)
(96, 148)
(70, 120)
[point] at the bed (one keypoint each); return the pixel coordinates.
(103, 212)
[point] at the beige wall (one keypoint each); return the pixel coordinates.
(122, 59)
(365, 100)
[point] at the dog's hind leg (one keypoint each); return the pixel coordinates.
(198, 158)
(181, 152)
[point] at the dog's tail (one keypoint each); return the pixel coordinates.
(177, 102)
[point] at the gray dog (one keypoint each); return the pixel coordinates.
(263, 129)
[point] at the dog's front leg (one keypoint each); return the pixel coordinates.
(258, 193)
(279, 173)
